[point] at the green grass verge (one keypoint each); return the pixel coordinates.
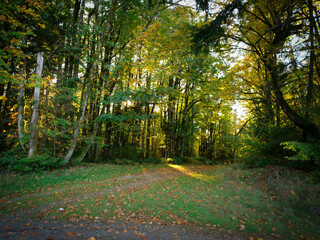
(12, 185)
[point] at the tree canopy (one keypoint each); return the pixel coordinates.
(131, 81)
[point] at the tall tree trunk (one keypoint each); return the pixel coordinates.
(77, 61)
(76, 131)
(302, 122)
(21, 107)
(36, 106)
(311, 65)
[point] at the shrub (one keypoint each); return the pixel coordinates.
(38, 163)
(10, 158)
(303, 151)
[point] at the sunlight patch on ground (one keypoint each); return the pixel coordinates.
(193, 174)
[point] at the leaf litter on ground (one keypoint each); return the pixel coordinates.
(215, 198)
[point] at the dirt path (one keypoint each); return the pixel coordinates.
(18, 225)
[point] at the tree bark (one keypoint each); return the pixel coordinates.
(86, 148)
(311, 65)
(21, 107)
(36, 106)
(76, 131)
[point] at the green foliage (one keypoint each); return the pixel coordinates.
(137, 161)
(304, 151)
(152, 160)
(9, 159)
(124, 153)
(17, 160)
(313, 177)
(252, 154)
(202, 160)
(114, 118)
(266, 149)
(194, 160)
(212, 32)
(38, 163)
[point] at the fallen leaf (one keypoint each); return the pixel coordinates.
(241, 227)
(70, 234)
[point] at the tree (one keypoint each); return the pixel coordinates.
(267, 30)
(36, 105)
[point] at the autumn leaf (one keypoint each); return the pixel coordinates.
(70, 234)
(241, 227)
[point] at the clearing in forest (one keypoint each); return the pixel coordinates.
(159, 201)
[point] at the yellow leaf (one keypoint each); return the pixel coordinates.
(3, 98)
(42, 25)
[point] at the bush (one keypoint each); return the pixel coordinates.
(39, 163)
(10, 158)
(267, 149)
(303, 151)
(16, 159)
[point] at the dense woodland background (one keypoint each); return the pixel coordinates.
(130, 81)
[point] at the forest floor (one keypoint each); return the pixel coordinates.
(155, 202)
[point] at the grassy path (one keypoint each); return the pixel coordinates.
(78, 193)
(145, 202)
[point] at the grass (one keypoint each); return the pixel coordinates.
(23, 184)
(224, 197)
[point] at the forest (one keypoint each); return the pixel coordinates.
(130, 81)
(159, 119)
